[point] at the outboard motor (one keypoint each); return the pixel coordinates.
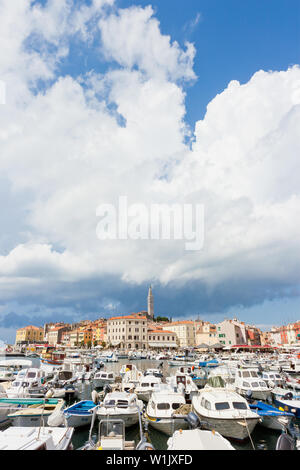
(193, 420)
(285, 442)
(69, 391)
(107, 389)
(249, 395)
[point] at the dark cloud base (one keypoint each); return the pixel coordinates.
(94, 298)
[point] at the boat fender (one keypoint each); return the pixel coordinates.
(95, 397)
(50, 393)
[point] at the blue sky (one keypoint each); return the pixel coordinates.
(99, 106)
(234, 39)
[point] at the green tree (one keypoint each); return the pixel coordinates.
(161, 319)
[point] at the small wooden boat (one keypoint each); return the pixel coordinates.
(37, 413)
(79, 414)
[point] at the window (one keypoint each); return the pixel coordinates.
(239, 405)
(163, 406)
(175, 406)
(207, 405)
(246, 374)
(122, 403)
(222, 406)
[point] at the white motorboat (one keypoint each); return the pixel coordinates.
(131, 377)
(103, 378)
(248, 380)
(146, 386)
(272, 379)
(6, 374)
(184, 383)
(155, 372)
(14, 366)
(160, 411)
(121, 405)
(29, 382)
(292, 382)
(112, 358)
(34, 438)
(63, 384)
(227, 373)
(197, 439)
(225, 411)
(111, 436)
(128, 368)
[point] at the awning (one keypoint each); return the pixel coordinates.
(115, 343)
(162, 345)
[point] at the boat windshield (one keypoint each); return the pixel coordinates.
(31, 375)
(239, 405)
(246, 374)
(111, 429)
(122, 403)
(163, 406)
(222, 405)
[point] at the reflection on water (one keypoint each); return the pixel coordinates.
(260, 435)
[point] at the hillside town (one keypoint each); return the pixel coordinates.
(144, 331)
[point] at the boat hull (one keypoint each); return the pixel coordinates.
(100, 383)
(76, 420)
(166, 425)
(232, 428)
(256, 394)
(129, 418)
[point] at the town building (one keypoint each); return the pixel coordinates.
(231, 332)
(206, 333)
(159, 338)
(185, 332)
(128, 331)
(29, 334)
(54, 335)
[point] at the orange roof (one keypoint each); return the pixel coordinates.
(56, 329)
(161, 331)
(30, 327)
(128, 317)
(183, 322)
